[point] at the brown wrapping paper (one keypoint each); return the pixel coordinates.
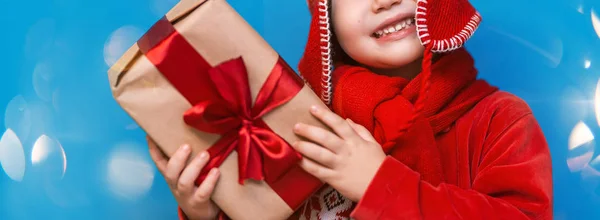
(218, 33)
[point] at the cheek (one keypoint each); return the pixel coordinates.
(352, 38)
(348, 26)
(347, 29)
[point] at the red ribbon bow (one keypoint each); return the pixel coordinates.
(222, 104)
(262, 154)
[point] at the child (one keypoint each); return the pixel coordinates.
(422, 139)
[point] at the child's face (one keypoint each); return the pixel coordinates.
(377, 33)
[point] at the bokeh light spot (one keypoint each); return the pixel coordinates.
(50, 155)
(596, 22)
(129, 174)
(118, 42)
(597, 102)
(581, 147)
(580, 9)
(13, 156)
(18, 117)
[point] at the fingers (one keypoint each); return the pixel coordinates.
(319, 136)
(207, 187)
(159, 158)
(313, 168)
(335, 122)
(176, 165)
(186, 182)
(361, 131)
(316, 153)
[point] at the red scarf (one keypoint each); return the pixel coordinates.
(454, 90)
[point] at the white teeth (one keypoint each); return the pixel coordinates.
(394, 28)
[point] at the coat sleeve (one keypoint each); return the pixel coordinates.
(512, 181)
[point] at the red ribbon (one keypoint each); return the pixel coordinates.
(222, 104)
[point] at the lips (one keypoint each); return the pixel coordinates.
(394, 24)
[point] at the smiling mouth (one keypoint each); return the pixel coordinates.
(393, 28)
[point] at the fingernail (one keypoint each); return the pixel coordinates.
(313, 109)
(214, 171)
(186, 147)
(297, 126)
(203, 154)
(350, 120)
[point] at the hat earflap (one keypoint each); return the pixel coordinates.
(442, 26)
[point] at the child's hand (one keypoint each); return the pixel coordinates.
(347, 159)
(194, 201)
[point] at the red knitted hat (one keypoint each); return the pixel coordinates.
(442, 26)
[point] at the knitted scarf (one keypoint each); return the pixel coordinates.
(360, 94)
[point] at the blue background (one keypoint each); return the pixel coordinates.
(70, 152)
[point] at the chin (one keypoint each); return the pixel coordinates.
(391, 56)
(392, 60)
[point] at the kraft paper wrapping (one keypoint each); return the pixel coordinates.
(218, 33)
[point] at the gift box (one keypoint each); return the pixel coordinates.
(202, 76)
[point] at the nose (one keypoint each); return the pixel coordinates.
(381, 5)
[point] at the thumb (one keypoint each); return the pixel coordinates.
(361, 130)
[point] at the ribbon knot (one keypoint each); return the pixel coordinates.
(262, 154)
(247, 124)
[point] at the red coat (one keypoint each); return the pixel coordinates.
(495, 165)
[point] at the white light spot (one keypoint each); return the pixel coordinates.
(13, 156)
(587, 64)
(597, 102)
(581, 147)
(596, 23)
(130, 175)
(580, 135)
(18, 117)
(50, 155)
(118, 42)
